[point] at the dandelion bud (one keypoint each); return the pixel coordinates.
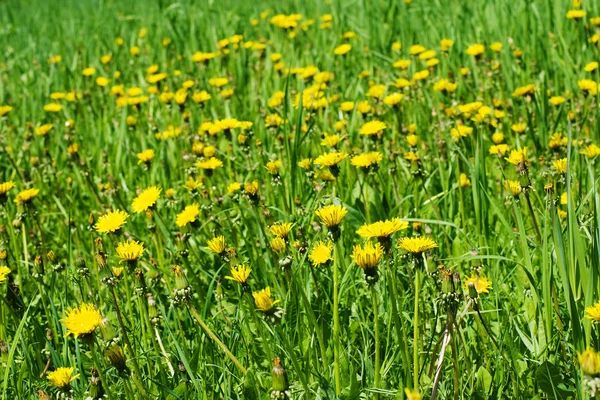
(51, 256)
(472, 291)
(153, 313)
(280, 383)
(116, 356)
(182, 291)
(96, 391)
(91, 220)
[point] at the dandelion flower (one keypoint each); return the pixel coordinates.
(217, 244)
(332, 215)
(590, 362)
(367, 256)
(62, 377)
(417, 245)
(240, 274)
(374, 127)
(111, 222)
(5, 187)
(4, 271)
(82, 320)
(480, 283)
(321, 253)
(146, 200)
(281, 229)
(25, 196)
(188, 215)
(381, 229)
(593, 313)
(130, 251)
(263, 300)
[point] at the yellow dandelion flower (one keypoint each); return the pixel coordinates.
(331, 215)
(480, 283)
(342, 49)
(560, 165)
(367, 160)
(82, 320)
(590, 362)
(5, 187)
(263, 300)
(43, 130)
(475, 50)
(146, 200)
(374, 127)
(62, 377)
(321, 253)
(330, 159)
(4, 271)
(239, 274)
(281, 229)
(188, 215)
(367, 256)
(25, 196)
(518, 156)
(464, 181)
(111, 222)
(130, 251)
(217, 244)
(591, 151)
(382, 229)
(412, 394)
(209, 164)
(593, 313)
(513, 187)
(417, 245)
(145, 156)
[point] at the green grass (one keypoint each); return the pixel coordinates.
(336, 336)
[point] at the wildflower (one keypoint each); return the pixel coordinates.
(145, 156)
(367, 160)
(130, 251)
(82, 320)
(111, 222)
(146, 200)
(4, 271)
(263, 300)
(5, 110)
(590, 362)
(417, 245)
(475, 50)
(332, 215)
(209, 164)
(513, 187)
(517, 157)
(499, 149)
(281, 229)
(188, 215)
(524, 91)
(5, 187)
(460, 131)
(217, 244)
(342, 49)
(278, 244)
(234, 187)
(560, 165)
(496, 46)
(240, 274)
(273, 167)
(89, 71)
(330, 159)
(591, 151)
(481, 284)
(26, 196)
(412, 394)
(53, 107)
(576, 14)
(251, 188)
(321, 253)
(43, 130)
(590, 67)
(464, 181)
(374, 127)
(382, 229)
(593, 313)
(557, 100)
(62, 377)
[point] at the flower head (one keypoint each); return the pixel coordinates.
(263, 300)
(240, 274)
(367, 160)
(321, 253)
(25, 196)
(417, 245)
(145, 156)
(382, 228)
(590, 362)
(216, 244)
(4, 271)
(82, 320)
(188, 215)
(514, 187)
(111, 222)
(62, 377)
(330, 159)
(331, 215)
(374, 127)
(5, 187)
(480, 283)
(518, 156)
(281, 229)
(367, 256)
(130, 251)
(593, 313)
(146, 200)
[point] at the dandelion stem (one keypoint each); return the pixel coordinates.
(377, 343)
(336, 325)
(416, 328)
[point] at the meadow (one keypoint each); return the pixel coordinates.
(336, 199)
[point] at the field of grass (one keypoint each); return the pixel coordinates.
(299, 199)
